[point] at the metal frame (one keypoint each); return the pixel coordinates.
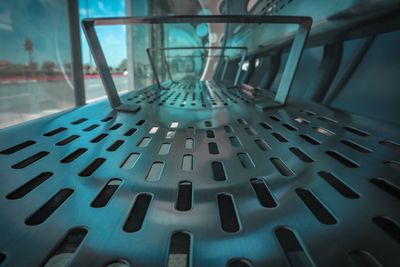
(287, 78)
(242, 58)
(76, 53)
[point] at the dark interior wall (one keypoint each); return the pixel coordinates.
(307, 69)
(374, 88)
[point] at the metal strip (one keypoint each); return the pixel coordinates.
(76, 53)
(292, 64)
(105, 74)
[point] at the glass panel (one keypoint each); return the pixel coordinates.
(113, 40)
(35, 60)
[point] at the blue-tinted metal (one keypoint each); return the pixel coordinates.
(284, 88)
(290, 179)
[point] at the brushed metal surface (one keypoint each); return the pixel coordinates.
(300, 185)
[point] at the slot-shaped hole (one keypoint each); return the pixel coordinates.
(79, 121)
(308, 112)
(356, 131)
(170, 135)
(67, 140)
(115, 126)
(390, 144)
(301, 154)
(137, 213)
(174, 124)
(361, 258)
(264, 195)
(339, 185)
(239, 263)
(141, 122)
(342, 159)
(235, 141)
(281, 167)
(115, 145)
(228, 129)
(323, 131)
(144, 142)
(187, 163)
(130, 132)
(189, 143)
(190, 130)
(118, 263)
(179, 250)
(91, 127)
(210, 134)
(92, 167)
(315, 206)
(265, 125)
(302, 121)
(184, 199)
(98, 138)
(245, 160)
(242, 122)
(279, 137)
(355, 146)
(74, 155)
(227, 212)
(393, 164)
(275, 118)
(389, 226)
(17, 148)
(153, 130)
(310, 139)
(262, 145)
(2, 257)
(387, 186)
(155, 172)
(55, 131)
(44, 212)
(130, 161)
(62, 255)
(106, 193)
(213, 148)
(291, 246)
(164, 149)
(289, 127)
(29, 186)
(208, 124)
(218, 171)
(327, 119)
(32, 159)
(250, 131)
(107, 119)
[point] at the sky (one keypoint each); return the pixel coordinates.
(112, 38)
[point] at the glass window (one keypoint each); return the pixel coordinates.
(113, 41)
(35, 60)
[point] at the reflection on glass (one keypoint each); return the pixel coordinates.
(35, 60)
(114, 45)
